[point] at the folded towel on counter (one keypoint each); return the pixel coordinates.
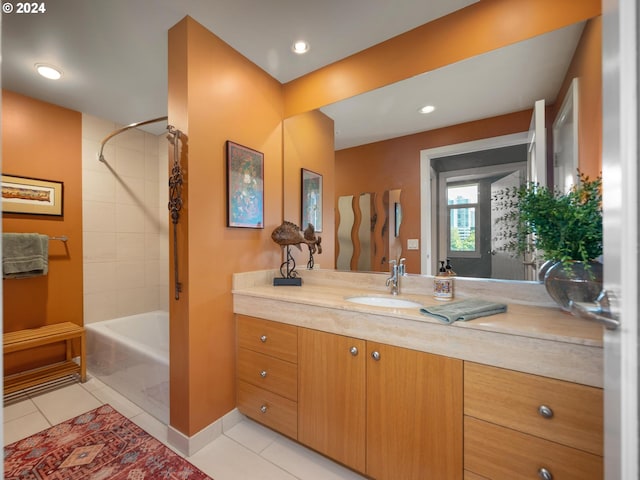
(24, 255)
(462, 310)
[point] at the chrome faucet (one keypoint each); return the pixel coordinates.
(402, 271)
(393, 280)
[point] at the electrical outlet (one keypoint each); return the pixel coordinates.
(412, 244)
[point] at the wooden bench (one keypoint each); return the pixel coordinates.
(37, 337)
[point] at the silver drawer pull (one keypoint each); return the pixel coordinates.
(545, 411)
(353, 351)
(263, 338)
(375, 356)
(263, 409)
(263, 373)
(544, 474)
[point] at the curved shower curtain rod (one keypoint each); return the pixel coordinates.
(124, 129)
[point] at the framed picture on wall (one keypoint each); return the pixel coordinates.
(311, 200)
(245, 187)
(31, 196)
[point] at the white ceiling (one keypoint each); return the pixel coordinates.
(114, 57)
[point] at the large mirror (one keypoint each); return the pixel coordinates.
(491, 96)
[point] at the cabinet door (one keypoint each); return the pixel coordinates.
(414, 414)
(331, 396)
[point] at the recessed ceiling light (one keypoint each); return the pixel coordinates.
(427, 109)
(300, 47)
(48, 71)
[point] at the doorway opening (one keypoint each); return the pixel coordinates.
(457, 223)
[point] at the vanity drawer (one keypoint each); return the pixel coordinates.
(556, 410)
(499, 453)
(270, 338)
(269, 373)
(267, 408)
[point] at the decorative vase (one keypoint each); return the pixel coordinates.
(574, 281)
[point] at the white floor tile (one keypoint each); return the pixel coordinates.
(252, 435)
(19, 409)
(304, 463)
(24, 426)
(224, 459)
(120, 403)
(65, 403)
(151, 425)
(92, 384)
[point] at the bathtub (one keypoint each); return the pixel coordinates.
(131, 355)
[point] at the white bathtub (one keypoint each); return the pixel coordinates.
(131, 355)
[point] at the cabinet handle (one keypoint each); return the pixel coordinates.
(375, 356)
(263, 373)
(263, 338)
(263, 409)
(353, 351)
(545, 411)
(544, 474)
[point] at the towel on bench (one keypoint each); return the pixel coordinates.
(463, 310)
(24, 255)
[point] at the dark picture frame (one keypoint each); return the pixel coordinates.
(311, 200)
(32, 196)
(245, 186)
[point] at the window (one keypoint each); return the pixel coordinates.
(462, 206)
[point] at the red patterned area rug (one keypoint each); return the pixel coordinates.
(97, 445)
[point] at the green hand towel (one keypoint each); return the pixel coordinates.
(24, 255)
(463, 310)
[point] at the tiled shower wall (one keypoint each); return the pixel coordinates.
(125, 222)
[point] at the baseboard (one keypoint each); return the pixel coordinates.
(190, 445)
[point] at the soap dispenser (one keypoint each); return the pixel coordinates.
(443, 284)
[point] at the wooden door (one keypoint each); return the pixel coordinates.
(414, 414)
(331, 396)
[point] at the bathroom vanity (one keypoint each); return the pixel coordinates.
(392, 393)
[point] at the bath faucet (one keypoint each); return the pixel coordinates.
(393, 280)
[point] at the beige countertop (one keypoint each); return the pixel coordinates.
(542, 340)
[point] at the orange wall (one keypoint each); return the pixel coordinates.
(215, 95)
(309, 143)
(479, 28)
(587, 67)
(395, 163)
(41, 140)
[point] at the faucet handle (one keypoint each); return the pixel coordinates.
(402, 267)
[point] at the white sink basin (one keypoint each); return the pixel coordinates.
(379, 301)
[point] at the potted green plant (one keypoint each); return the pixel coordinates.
(564, 228)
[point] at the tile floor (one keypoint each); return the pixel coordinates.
(246, 451)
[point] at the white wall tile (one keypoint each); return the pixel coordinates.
(99, 247)
(129, 218)
(98, 216)
(100, 277)
(98, 186)
(130, 274)
(129, 162)
(100, 306)
(130, 301)
(125, 221)
(130, 191)
(132, 139)
(130, 246)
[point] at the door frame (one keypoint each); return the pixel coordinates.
(429, 188)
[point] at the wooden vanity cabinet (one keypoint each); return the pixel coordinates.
(522, 426)
(267, 373)
(414, 414)
(331, 397)
(385, 411)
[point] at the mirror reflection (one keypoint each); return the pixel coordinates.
(479, 113)
(368, 226)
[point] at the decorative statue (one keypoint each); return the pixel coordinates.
(289, 234)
